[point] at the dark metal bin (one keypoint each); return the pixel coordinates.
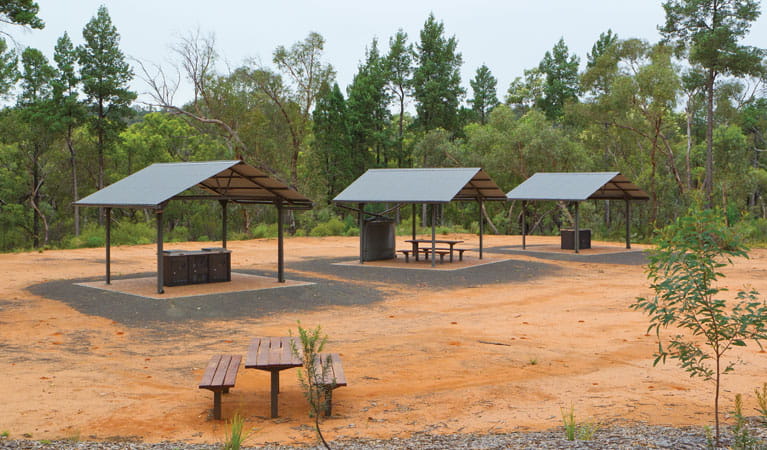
(378, 239)
(568, 239)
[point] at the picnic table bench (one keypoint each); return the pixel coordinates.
(219, 376)
(334, 377)
(426, 251)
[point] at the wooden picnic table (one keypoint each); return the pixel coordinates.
(273, 354)
(416, 243)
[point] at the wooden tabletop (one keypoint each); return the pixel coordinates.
(270, 353)
(438, 241)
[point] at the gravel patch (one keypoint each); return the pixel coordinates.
(635, 436)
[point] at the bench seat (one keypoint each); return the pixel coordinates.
(334, 377)
(218, 377)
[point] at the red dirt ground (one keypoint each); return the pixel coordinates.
(414, 361)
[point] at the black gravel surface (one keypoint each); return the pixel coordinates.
(366, 285)
(146, 312)
(507, 271)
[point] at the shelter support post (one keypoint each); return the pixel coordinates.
(108, 255)
(361, 207)
(524, 224)
(433, 234)
(280, 245)
(628, 223)
(160, 268)
(481, 227)
(224, 204)
(577, 243)
(414, 219)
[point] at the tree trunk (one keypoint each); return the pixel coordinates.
(33, 199)
(687, 156)
(708, 181)
(100, 176)
(487, 219)
(73, 164)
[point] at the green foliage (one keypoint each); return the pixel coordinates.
(437, 78)
(485, 98)
(761, 401)
(561, 83)
(263, 230)
(21, 12)
(333, 227)
(105, 79)
(575, 430)
(368, 113)
(743, 440)
(235, 435)
(684, 270)
(310, 344)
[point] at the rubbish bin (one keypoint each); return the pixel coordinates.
(568, 239)
(378, 236)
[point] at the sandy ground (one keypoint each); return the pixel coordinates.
(423, 359)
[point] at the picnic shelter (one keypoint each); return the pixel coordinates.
(576, 187)
(430, 186)
(225, 181)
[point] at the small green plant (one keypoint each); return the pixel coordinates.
(574, 430)
(5, 434)
(533, 361)
(683, 270)
(235, 435)
(761, 401)
(741, 435)
(314, 372)
(709, 437)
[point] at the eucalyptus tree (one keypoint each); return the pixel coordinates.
(524, 93)
(560, 85)
(437, 78)
(294, 96)
(400, 64)
(640, 100)
(710, 32)
(485, 97)
(105, 76)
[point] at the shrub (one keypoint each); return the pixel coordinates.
(263, 230)
(179, 233)
(129, 233)
(333, 227)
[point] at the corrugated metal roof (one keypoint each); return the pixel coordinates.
(577, 186)
(432, 185)
(225, 180)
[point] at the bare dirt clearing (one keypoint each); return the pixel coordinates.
(419, 346)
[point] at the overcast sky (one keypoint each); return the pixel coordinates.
(507, 35)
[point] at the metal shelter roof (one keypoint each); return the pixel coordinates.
(434, 185)
(577, 186)
(236, 181)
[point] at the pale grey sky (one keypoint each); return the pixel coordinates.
(507, 35)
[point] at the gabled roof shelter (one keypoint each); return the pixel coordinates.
(421, 186)
(226, 181)
(577, 187)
